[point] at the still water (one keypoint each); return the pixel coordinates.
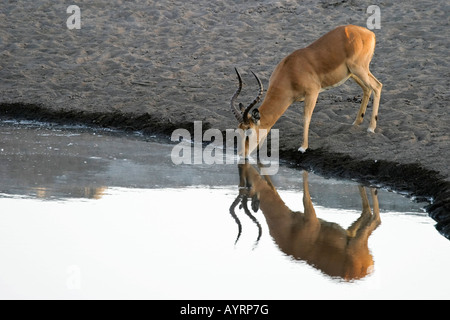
(98, 214)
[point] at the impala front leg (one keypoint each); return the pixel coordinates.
(310, 103)
(310, 212)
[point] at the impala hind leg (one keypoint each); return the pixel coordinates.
(310, 103)
(365, 100)
(368, 80)
(376, 85)
(368, 221)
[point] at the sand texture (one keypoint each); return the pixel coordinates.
(168, 63)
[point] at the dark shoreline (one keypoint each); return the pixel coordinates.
(412, 179)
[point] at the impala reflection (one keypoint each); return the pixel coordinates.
(338, 252)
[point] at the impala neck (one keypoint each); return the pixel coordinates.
(272, 108)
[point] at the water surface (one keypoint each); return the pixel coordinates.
(101, 214)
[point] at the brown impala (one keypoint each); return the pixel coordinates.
(342, 53)
(336, 251)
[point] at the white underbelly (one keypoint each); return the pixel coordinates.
(335, 85)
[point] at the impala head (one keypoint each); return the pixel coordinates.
(248, 117)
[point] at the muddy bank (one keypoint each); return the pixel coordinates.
(155, 66)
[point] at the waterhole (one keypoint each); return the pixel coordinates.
(99, 214)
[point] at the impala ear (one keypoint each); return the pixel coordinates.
(241, 107)
(255, 115)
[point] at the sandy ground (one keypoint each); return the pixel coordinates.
(170, 63)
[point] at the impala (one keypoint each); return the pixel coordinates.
(336, 251)
(342, 53)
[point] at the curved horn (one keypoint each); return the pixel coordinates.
(235, 110)
(251, 105)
